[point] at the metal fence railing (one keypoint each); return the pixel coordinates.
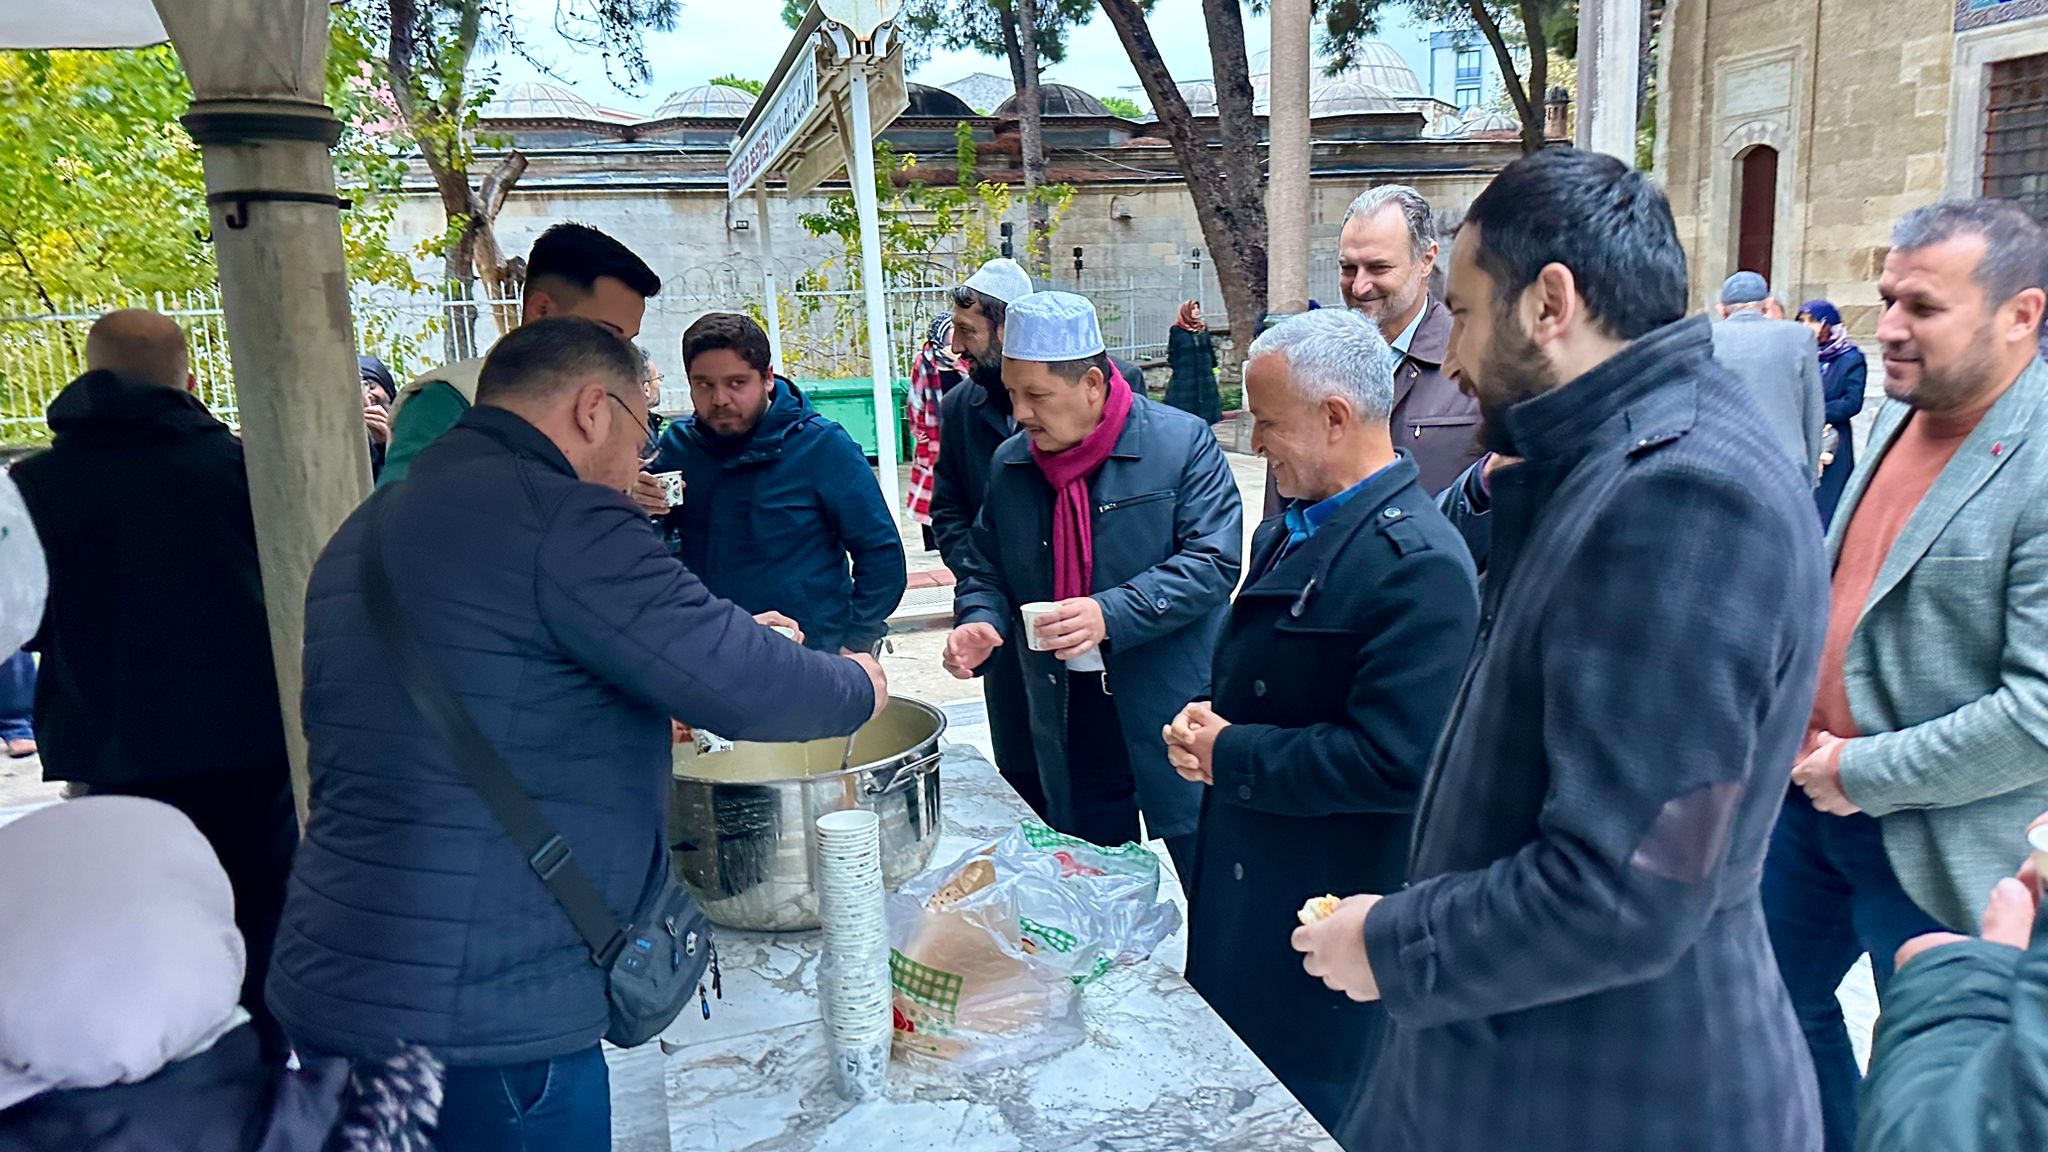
(43, 349)
(824, 327)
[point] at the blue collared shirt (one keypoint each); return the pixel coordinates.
(1303, 520)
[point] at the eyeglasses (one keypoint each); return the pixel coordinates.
(647, 445)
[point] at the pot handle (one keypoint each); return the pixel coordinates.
(901, 780)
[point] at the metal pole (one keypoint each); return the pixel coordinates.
(774, 301)
(871, 279)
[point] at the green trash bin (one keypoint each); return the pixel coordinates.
(851, 405)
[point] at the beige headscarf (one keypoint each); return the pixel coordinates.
(119, 952)
(23, 579)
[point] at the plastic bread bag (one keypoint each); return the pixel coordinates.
(989, 954)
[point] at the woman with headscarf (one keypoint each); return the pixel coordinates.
(120, 1031)
(933, 373)
(1843, 374)
(380, 391)
(1191, 354)
(23, 582)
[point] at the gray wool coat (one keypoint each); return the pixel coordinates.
(1947, 671)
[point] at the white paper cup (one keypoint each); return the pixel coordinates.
(2037, 839)
(849, 823)
(860, 1072)
(671, 487)
(1034, 612)
(783, 630)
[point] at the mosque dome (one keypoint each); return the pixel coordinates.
(1347, 95)
(1377, 81)
(535, 101)
(1057, 100)
(1378, 64)
(1481, 122)
(925, 100)
(707, 101)
(1200, 96)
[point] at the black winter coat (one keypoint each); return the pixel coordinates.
(971, 427)
(1335, 673)
(1192, 356)
(1579, 962)
(571, 636)
(1842, 384)
(156, 650)
(1169, 543)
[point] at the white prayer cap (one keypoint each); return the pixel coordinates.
(23, 579)
(1051, 328)
(1003, 280)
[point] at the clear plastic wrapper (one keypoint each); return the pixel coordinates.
(989, 954)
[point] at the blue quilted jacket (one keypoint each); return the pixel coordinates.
(572, 636)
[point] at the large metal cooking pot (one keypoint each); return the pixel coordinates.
(740, 823)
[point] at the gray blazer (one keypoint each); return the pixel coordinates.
(1947, 671)
(1780, 363)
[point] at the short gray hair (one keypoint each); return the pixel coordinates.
(2015, 247)
(1334, 352)
(1414, 212)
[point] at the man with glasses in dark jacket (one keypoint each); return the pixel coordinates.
(571, 637)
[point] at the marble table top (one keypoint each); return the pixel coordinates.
(1158, 1070)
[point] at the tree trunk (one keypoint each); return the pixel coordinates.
(428, 121)
(1528, 104)
(1013, 48)
(1244, 176)
(1236, 236)
(500, 285)
(1539, 75)
(1031, 133)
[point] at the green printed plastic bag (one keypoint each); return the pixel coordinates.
(990, 951)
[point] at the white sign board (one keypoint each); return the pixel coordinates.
(791, 109)
(863, 16)
(99, 24)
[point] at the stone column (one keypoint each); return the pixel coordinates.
(1610, 43)
(1287, 178)
(256, 72)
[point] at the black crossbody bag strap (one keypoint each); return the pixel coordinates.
(545, 851)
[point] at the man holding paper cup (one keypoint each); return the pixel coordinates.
(1105, 552)
(779, 511)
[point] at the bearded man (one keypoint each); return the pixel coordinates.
(1581, 920)
(974, 420)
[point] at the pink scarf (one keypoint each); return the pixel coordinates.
(1073, 531)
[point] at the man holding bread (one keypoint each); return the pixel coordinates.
(1332, 679)
(1105, 552)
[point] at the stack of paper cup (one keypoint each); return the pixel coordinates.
(853, 970)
